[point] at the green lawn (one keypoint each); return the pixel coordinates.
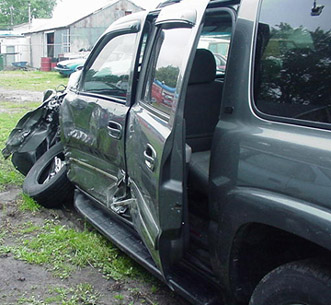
(31, 80)
(8, 175)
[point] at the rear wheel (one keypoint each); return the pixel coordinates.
(47, 181)
(297, 283)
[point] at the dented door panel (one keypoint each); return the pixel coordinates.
(80, 136)
(94, 117)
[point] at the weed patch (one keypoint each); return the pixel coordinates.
(28, 204)
(82, 293)
(2, 235)
(63, 249)
(9, 175)
(28, 228)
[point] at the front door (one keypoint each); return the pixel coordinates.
(94, 117)
(155, 135)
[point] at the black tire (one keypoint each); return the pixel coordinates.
(299, 283)
(48, 187)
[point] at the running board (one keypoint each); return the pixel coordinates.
(189, 286)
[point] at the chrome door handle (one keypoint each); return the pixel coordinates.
(150, 157)
(115, 130)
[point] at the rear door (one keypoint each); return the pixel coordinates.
(155, 137)
(94, 116)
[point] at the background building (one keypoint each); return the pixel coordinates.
(56, 39)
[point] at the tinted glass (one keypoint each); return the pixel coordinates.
(293, 60)
(164, 68)
(216, 36)
(109, 73)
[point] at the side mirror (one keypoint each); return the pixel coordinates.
(80, 68)
(48, 93)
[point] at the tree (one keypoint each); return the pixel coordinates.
(13, 12)
(295, 73)
(168, 75)
(296, 66)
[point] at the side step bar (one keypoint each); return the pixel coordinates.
(120, 237)
(189, 286)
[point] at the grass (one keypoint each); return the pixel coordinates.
(62, 250)
(19, 107)
(28, 204)
(38, 81)
(31, 80)
(8, 174)
(82, 293)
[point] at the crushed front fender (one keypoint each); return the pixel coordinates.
(35, 132)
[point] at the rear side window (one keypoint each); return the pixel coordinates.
(293, 60)
(216, 36)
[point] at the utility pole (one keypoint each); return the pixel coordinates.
(11, 16)
(29, 6)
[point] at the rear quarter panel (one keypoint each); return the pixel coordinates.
(264, 171)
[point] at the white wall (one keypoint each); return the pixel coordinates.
(37, 48)
(20, 46)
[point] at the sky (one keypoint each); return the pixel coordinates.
(79, 8)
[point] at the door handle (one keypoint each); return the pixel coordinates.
(150, 157)
(115, 130)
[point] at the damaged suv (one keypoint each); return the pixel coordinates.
(216, 179)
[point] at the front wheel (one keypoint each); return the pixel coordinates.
(47, 181)
(297, 283)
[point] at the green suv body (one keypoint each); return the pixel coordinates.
(216, 179)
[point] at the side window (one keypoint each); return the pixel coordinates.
(164, 69)
(109, 73)
(216, 37)
(293, 60)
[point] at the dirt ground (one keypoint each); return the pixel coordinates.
(24, 283)
(20, 95)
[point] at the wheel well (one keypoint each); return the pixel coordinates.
(258, 249)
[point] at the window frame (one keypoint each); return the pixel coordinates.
(233, 14)
(256, 110)
(163, 115)
(94, 55)
(151, 57)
